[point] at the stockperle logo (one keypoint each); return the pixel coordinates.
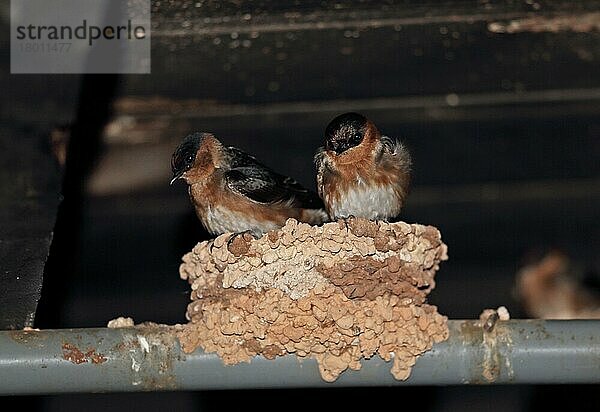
(80, 36)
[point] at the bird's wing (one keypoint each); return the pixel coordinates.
(259, 183)
(398, 150)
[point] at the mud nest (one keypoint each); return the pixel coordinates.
(336, 293)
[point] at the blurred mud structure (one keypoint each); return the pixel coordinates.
(555, 288)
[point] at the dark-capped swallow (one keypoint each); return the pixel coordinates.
(361, 173)
(233, 192)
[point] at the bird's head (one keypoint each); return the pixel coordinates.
(346, 131)
(188, 154)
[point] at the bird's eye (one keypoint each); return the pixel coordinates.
(189, 159)
(355, 139)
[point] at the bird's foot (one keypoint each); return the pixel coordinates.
(346, 220)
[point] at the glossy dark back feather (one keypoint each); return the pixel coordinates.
(258, 182)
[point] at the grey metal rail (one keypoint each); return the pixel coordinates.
(148, 359)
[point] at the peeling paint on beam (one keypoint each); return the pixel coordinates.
(244, 18)
(149, 359)
(579, 23)
(215, 27)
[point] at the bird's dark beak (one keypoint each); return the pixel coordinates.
(176, 176)
(331, 145)
(336, 146)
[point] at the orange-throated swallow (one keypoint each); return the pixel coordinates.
(361, 173)
(233, 192)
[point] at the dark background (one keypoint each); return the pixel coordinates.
(498, 102)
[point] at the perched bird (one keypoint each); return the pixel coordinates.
(361, 173)
(233, 192)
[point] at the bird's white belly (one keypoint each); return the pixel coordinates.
(219, 220)
(373, 202)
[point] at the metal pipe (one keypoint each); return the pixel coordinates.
(149, 359)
